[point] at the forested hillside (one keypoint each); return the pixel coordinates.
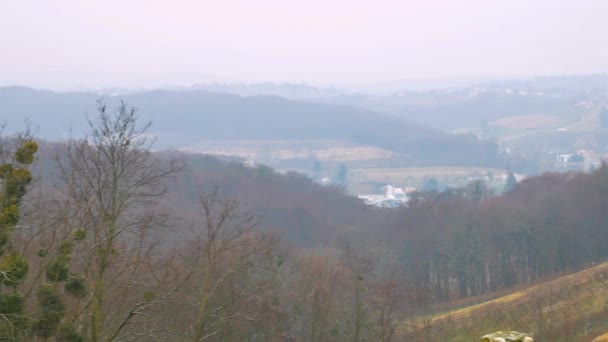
(185, 118)
(104, 239)
(460, 244)
(548, 224)
(303, 171)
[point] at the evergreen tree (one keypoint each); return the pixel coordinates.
(317, 168)
(604, 117)
(342, 175)
(511, 181)
(14, 178)
(430, 184)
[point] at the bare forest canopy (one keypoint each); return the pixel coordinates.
(185, 118)
(110, 241)
(446, 247)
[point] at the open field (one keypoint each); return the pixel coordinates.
(433, 171)
(588, 122)
(416, 175)
(569, 308)
(267, 150)
(333, 152)
(370, 180)
(532, 121)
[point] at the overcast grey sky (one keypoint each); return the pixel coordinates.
(146, 43)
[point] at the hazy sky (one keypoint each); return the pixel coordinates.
(134, 43)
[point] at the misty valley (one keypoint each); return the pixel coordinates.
(197, 215)
(303, 171)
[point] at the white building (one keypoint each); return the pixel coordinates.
(393, 197)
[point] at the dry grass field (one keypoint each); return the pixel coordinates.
(569, 308)
(403, 175)
(266, 150)
(532, 121)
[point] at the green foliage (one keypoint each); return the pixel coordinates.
(22, 176)
(79, 234)
(5, 170)
(51, 311)
(65, 249)
(3, 239)
(13, 189)
(45, 327)
(149, 296)
(58, 270)
(68, 333)
(15, 184)
(76, 286)
(12, 307)
(14, 268)
(11, 303)
(25, 154)
(9, 216)
(49, 300)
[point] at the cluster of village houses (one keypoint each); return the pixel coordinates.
(393, 197)
(582, 160)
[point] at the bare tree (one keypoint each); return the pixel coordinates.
(230, 258)
(388, 296)
(111, 182)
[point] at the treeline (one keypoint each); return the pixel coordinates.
(449, 245)
(466, 243)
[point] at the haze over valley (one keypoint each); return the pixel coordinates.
(320, 171)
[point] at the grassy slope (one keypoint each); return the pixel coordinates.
(601, 338)
(569, 308)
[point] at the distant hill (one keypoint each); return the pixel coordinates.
(533, 115)
(473, 106)
(452, 105)
(293, 91)
(183, 118)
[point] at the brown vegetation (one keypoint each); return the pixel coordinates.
(126, 244)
